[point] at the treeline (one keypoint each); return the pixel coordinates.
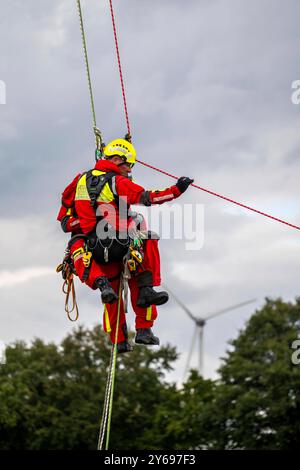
(51, 396)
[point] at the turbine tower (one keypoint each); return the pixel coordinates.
(200, 323)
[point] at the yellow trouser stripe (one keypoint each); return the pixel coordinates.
(149, 313)
(107, 322)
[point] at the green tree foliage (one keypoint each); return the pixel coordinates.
(255, 404)
(51, 396)
(257, 401)
(182, 419)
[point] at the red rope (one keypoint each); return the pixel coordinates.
(120, 67)
(164, 172)
(225, 198)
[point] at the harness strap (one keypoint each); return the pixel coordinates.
(95, 184)
(86, 273)
(79, 236)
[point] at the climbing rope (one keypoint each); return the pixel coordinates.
(120, 68)
(109, 391)
(99, 143)
(68, 286)
(114, 366)
(164, 172)
(98, 137)
(106, 403)
(223, 197)
(110, 384)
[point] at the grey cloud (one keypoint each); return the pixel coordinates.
(209, 95)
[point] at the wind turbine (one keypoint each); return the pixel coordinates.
(200, 323)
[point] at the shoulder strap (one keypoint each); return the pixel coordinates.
(95, 184)
(112, 186)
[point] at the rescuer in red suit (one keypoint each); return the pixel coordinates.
(107, 216)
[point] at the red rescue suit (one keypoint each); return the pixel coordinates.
(85, 221)
(134, 194)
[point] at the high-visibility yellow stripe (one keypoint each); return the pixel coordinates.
(107, 322)
(106, 195)
(82, 194)
(77, 252)
(149, 313)
(81, 190)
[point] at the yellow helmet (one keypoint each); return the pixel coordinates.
(122, 148)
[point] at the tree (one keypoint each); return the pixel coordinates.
(51, 397)
(182, 419)
(257, 402)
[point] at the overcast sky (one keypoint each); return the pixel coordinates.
(209, 87)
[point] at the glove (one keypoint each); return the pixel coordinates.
(183, 183)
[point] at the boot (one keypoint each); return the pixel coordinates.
(124, 347)
(108, 295)
(146, 336)
(147, 295)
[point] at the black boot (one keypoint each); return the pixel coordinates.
(108, 295)
(146, 336)
(147, 295)
(124, 347)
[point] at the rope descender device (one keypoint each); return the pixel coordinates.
(99, 144)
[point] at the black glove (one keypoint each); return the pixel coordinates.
(183, 183)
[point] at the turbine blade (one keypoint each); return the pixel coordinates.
(187, 311)
(228, 309)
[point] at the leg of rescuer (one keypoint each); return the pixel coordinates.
(152, 260)
(144, 316)
(110, 317)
